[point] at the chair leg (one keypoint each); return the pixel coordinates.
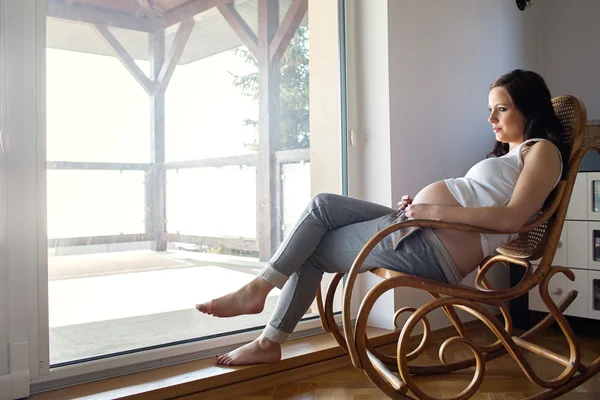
(452, 316)
(333, 326)
(321, 310)
(325, 309)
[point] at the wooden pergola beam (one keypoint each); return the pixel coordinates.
(96, 16)
(146, 7)
(168, 67)
(189, 10)
(287, 29)
(175, 52)
(240, 27)
(126, 59)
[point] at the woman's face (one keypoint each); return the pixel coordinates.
(507, 121)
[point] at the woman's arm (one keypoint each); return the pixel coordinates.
(541, 166)
(495, 218)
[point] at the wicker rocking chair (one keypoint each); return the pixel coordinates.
(537, 239)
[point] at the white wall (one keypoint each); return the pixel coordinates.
(370, 156)
(423, 71)
(369, 159)
(325, 115)
(570, 49)
(442, 59)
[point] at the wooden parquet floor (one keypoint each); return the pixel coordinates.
(503, 378)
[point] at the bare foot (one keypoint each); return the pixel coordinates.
(249, 299)
(259, 351)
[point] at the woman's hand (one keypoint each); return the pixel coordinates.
(405, 202)
(421, 211)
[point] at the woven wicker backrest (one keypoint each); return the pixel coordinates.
(530, 244)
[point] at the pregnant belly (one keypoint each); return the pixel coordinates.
(464, 247)
(436, 193)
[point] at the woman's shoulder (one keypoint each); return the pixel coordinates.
(541, 150)
(544, 145)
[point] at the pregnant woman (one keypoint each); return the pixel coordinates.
(502, 193)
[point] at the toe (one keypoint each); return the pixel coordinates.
(203, 309)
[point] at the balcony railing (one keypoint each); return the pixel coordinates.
(156, 231)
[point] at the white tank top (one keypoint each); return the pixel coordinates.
(491, 182)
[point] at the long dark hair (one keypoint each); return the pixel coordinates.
(532, 97)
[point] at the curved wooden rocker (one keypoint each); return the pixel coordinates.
(538, 238)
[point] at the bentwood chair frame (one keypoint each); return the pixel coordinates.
(538, 238)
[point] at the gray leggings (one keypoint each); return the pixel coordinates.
(328, 236)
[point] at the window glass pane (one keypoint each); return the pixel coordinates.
(212, 202)
(95, 203)
(177, 164)
(207, 114)
(95, 110)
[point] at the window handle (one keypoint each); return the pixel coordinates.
(352, 138)
(2, 130)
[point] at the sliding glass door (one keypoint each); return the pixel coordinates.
(178, 157)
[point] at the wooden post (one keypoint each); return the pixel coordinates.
(156, 177)
(268, 230)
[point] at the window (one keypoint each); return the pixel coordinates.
(174, 166)
(159, 153)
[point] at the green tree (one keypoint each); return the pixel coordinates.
(295, 130)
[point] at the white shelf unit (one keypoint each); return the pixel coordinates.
(578, 249)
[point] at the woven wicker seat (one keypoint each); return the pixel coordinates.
(539, 238)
